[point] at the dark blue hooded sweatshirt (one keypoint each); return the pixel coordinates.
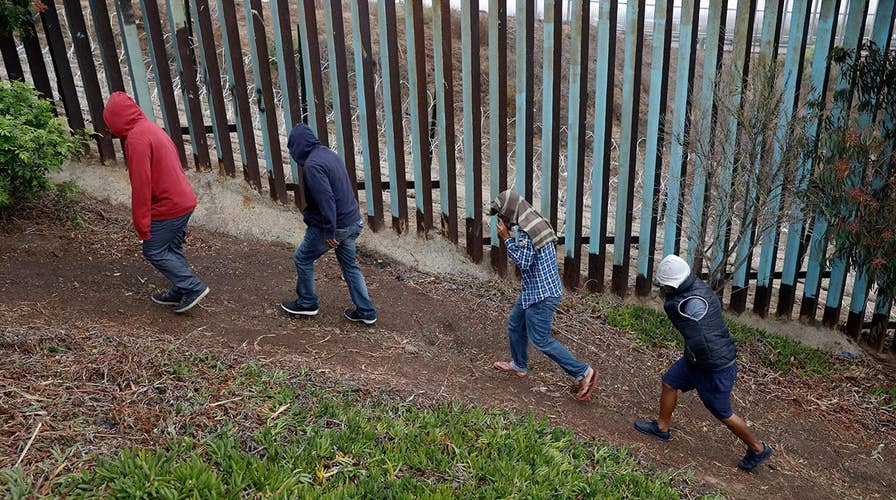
(329, 193)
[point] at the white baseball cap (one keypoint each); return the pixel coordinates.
(672, 271)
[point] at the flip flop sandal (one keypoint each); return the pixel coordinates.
(504, 366)
(591, 385)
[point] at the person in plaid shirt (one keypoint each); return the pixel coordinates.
(532, 316)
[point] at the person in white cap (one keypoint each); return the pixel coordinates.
(709, 364)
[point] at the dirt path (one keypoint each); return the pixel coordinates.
(435, 341)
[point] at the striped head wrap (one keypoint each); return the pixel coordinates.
(518, 211)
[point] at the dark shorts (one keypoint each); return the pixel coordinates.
(714, 388)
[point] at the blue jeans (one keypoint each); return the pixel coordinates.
(533, 324)
(165, 251)
(313, 246)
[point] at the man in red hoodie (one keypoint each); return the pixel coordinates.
(162, 199)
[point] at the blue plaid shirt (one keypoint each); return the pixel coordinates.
(539, 269)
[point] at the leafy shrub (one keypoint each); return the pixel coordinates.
(854, 185)
(13, 13)
(33, 143)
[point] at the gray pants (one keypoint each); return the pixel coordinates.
(165, 251)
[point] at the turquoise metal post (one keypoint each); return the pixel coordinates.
(339, 82)
(335, 78)
(628, 150)
(364, 76)
(262, 111)
(603, 137)
(740, 60)
(523, 129)
(704, 134)
(793, 65)
(287, 102)
(306, 68)
(684, 73)
(549, 118)
(389, 54)
(880, 35)
(824, 41)
(836, 284)
(852, 35)
(655, 148)
(767, 54)
(420, 144)
(856, 317)
(130, 44)
(445, 119)
(575, 165)
(363, 112)
(880, 319)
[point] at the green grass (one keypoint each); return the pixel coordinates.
(778, 352)
(334, 443)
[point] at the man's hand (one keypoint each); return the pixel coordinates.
(332, 243)
(503, 232)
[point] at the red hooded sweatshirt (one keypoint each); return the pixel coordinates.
(159, 188)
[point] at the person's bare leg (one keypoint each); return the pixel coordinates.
(739, 427)
(668, 400)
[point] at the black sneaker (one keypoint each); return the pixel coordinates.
(169, 298)
(652, 428)
(354, 315)
(293, 307)
(189, 300)
(754, 459)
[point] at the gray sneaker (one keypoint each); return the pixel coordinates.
(189, 300)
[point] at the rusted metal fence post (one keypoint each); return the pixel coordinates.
(603, 143)
(444, 80)
(575, 178)
(264, 95)
(389, 58)
(472, 127)
(420, 144)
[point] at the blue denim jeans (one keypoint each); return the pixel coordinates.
(533, 324)
(165, 251)
(313, 246)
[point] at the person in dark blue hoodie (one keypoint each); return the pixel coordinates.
(334, 222)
